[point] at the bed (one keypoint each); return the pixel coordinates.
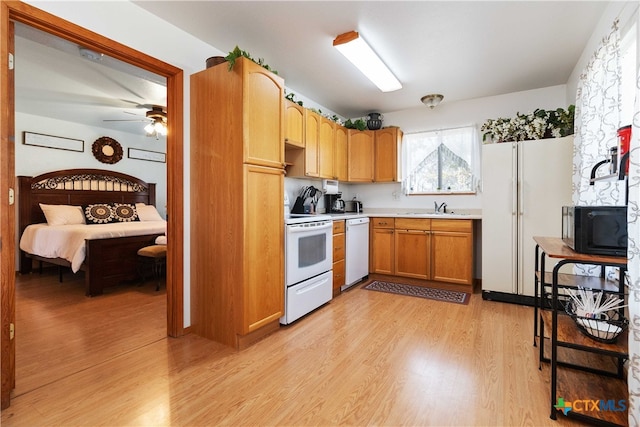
(106, 261)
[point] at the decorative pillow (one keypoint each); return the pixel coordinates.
(148, 212)
(62, 214)
(98, 213)
(124, 212)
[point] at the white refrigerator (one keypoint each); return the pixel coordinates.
(524, 186)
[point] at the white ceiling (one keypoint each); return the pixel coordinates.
(53, 80)
(462, 50)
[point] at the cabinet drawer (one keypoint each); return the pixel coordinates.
(338, 227)
(460, 225)
(382, 222)
(338, 247)
(413, 224)
(338, 274)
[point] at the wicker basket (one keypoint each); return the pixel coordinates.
(605, 329)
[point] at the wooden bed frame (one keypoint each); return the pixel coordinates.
(108, 261)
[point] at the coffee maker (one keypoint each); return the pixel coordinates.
(334, 203)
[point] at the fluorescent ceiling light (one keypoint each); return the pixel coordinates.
(356, 50)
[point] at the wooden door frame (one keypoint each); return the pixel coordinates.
(16, 11)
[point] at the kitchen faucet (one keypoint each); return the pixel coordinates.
(442, 207)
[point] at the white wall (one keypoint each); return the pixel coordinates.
(32, 160)
(448, 115)
(623, 10)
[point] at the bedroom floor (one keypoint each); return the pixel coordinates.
(56, 330)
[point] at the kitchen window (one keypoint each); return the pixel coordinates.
(441, 161)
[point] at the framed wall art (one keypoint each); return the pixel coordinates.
(152, 156)
(50, 141)
(107, 150)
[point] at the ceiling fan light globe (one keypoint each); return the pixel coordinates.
(160, 128)
(150, 129)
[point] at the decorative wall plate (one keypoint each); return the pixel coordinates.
(107, 150)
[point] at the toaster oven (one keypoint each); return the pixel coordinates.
(353, 206)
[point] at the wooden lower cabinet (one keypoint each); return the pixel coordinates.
(383, 251)
(338, 276)
(338, 255)
(382, 254)
(412, 248)
(262, 299)
(452, 251)
(427, 249)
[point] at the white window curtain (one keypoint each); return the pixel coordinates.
(597, 119)
(463, 142)
(633, 254)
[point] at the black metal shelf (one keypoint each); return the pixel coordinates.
(567, 376)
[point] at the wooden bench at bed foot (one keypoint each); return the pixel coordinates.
(153, 256)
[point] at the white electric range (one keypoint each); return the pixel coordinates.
(308, 264)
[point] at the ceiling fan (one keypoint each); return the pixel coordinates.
(156, 119)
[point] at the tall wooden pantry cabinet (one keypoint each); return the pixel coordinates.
(237, 192)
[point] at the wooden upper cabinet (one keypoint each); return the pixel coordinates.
(326, 148)
(387, 155)
(294, 124)
(311, 142)
(341, 152)
(263, 106)
(360, 158)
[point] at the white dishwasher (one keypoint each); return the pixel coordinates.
(356, 262)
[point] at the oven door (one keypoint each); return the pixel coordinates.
(308, 250)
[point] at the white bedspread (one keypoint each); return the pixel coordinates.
(68, 241)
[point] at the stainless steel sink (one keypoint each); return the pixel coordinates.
(435, 213)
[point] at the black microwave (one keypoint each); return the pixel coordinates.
(597, 230)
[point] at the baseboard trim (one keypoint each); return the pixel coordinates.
(507, 297)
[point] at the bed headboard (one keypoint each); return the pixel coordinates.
(78, 187)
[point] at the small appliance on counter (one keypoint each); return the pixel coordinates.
(597, 230)
(334, 203)
(353, 206)
(330, 186)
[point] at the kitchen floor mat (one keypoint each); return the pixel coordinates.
(419, 291)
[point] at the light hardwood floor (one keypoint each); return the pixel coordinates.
(366, 358)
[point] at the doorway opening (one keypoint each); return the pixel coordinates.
(13, 12)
